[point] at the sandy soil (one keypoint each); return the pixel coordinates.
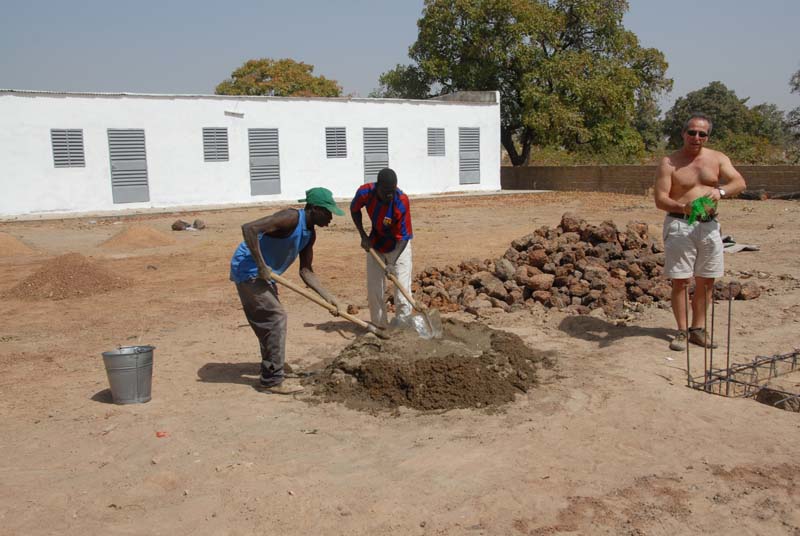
(612, 442)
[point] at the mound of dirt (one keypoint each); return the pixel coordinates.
(68, 276)
(471, 366)
(12, 247)
(138, 237)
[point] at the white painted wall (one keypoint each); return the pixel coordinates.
(179, 177)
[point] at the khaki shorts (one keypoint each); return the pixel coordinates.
(692, 249)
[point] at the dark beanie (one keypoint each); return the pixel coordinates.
(387, 175)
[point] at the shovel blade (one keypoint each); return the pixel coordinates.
(428, 324)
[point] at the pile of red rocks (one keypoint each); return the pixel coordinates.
(576, 267)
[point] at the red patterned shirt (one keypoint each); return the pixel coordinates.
(391, 222)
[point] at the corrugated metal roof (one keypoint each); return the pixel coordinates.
(238, 97)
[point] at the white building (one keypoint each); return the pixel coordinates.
(94, 153)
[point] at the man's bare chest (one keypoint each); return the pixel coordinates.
(696, 174)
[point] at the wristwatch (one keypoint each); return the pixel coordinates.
(721, 192)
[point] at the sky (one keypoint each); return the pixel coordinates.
(181, 46)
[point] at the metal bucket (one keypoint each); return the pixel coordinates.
(130, 373)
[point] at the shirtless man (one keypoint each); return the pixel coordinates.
(693, 250)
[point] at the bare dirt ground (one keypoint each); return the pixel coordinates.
(611, 442)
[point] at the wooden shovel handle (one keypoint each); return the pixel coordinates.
(394, 280)
(319, 301)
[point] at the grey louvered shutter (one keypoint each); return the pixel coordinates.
(67, 147)
(469, 155)
(265, 169)
(126, 148)
(436, 142)
(336, 142)
(376, 152)
(215, 144)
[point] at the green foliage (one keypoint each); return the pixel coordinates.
(793, 117)
(403, 82)
(728, 112)
(279, 78)
(745, 148)
(767, 121)
(569, 74)
(757, 135)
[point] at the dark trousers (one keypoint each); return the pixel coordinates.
(267, 317)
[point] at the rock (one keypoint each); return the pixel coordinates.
(540, 282)
(750, 291)
(570, 223)
(578, 309)
(470, 266)
(521, 244)
(608, 251)
(478, 304)
(521, 275)
(512, 255)
(635, 270)
(724, 290)
(559, 301)
(661, 291)
(537, 258)
(500, 304)
(199, 224)
(580, 288)
(541, 296)
(352, 309)
(504, 269)
(510, 285)
(180, 225)
(468, 294)
(515, 296)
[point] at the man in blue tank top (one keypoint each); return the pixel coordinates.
(271, 245)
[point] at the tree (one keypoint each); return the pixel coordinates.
(403, 82)
(279, 78)
(793, 117)
(569, 74)
(757, 135)
(729, 115)
(728, 112)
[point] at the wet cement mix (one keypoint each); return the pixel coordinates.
(471, 366)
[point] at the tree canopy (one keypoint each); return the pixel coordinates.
(755, 135)
(280, 78)
(793, 117)
(568, 72)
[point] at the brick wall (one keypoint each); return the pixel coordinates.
(632, 179)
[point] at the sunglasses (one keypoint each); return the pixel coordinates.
(693, 133)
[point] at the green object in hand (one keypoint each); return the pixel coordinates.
(700, 208)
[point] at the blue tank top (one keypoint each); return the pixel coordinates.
(279, 253)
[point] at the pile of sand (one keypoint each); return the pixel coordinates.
(68, 276)
(471, 366)
(137, 237)
(12, 247)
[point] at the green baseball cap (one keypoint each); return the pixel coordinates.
(322, 197)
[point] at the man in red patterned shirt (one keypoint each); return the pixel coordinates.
(390, 213)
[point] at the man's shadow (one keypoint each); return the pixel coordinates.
(345, 328)
(238, 373)
(590, 328)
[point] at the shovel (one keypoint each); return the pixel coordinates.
(372, 328)
(430, 326)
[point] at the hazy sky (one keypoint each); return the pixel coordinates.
(186, 46)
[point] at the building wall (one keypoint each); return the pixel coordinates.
(632, 179)
(178, 175)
